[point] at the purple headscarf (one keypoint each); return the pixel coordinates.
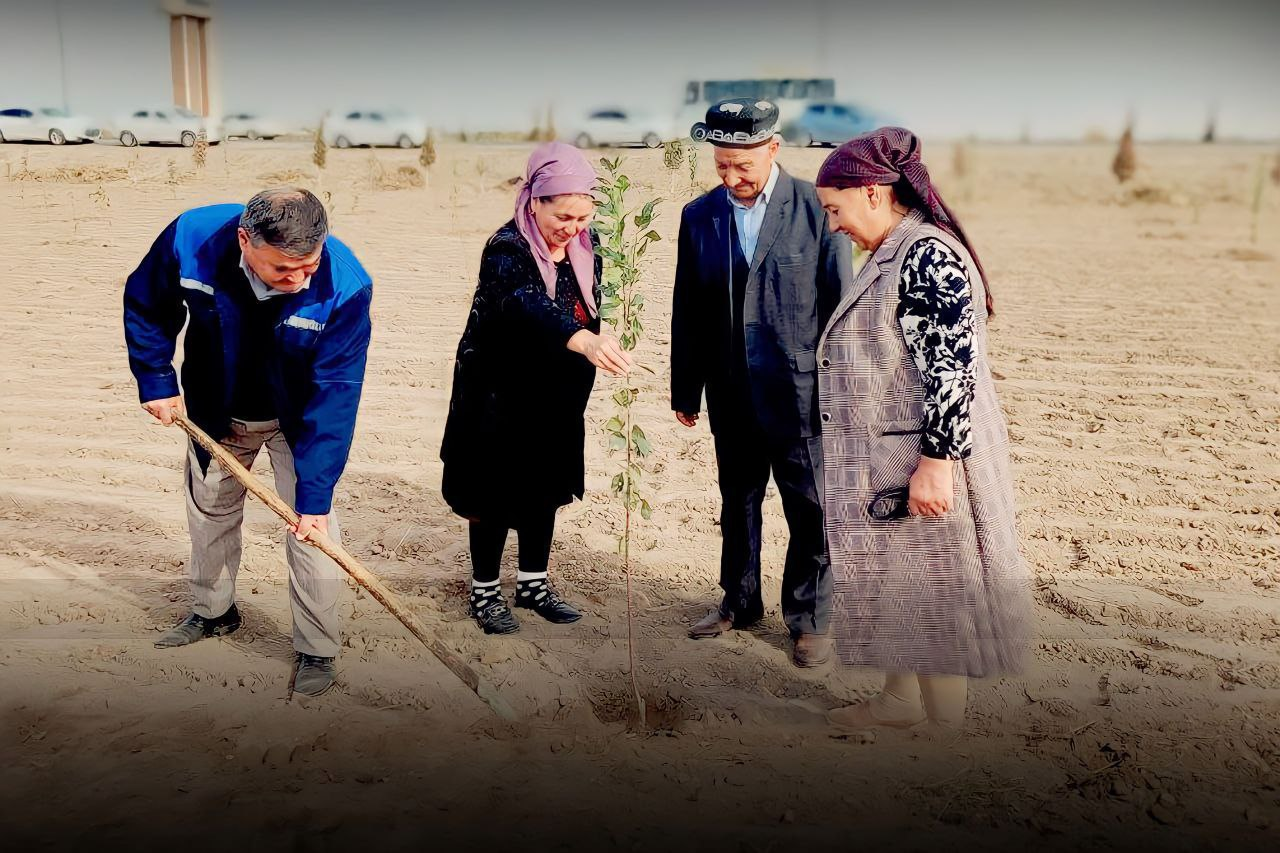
(891, 156)
(557, 168)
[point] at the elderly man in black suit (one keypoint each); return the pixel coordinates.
(758, 274)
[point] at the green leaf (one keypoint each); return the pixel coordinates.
(615, 424)
(622, 398)
(645, 216)
(640, 441)
(617, 442)
(617, 485)
(653, 235)
(646, 511)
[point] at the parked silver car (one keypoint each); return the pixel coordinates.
(170, 125)
(828, 123)
(375, 127)
(45, 124)
(617, 126)
(252, 126)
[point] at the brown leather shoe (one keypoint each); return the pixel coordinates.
(713, 624)
(811, 650)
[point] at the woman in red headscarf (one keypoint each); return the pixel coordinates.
(930, 586)
(513, 442)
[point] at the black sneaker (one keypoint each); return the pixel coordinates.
(195, 628)
(539, 597)
(495, 617)
(314, 675)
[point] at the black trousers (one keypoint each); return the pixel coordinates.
(489, 538)
(746, 456)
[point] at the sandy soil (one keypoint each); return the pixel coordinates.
(1136, 346)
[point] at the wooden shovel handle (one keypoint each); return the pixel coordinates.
(351, 566)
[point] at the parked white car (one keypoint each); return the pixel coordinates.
(172, 125)
(252, 126)
(615, 126)
(46, 124)
(375, 127)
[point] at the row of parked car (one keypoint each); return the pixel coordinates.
(179, 126)
(814, 124)
(172, 125)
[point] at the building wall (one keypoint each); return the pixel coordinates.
(116, 54)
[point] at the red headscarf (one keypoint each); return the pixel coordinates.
(891, 156)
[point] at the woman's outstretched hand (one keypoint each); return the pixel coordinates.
(604, 351)
(932, 488)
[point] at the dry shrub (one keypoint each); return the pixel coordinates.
(1126, 162)
(1148, 194)
(960, 160)
(200, 151)
(1249, 255)
(285, 177)
(549, 133)
(70, 174)
(1210, 127)
(427, 156)
(400, 178)
(673, 155)
(319, 151)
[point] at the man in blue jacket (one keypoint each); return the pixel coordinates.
(277, 316)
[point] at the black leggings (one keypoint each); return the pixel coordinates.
(488, 538)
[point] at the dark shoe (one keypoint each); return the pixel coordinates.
(196, 627)
(713, 624)
(543, 600)
(810, 650)
(495, 617)
(314, 675)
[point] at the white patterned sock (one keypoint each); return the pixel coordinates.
(484, 594)
(531, 587)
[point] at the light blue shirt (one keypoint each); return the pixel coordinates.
(749, 219)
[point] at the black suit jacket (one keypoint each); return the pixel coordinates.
(797, 276)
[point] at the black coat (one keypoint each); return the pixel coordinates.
(513, 442)
(797, 275)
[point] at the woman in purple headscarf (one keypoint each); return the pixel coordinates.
(513, 442)
(930, 586)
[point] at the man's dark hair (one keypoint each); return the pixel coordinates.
(289, 219)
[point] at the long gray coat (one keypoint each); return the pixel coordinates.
(933, 596)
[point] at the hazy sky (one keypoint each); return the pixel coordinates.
(942, 68)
